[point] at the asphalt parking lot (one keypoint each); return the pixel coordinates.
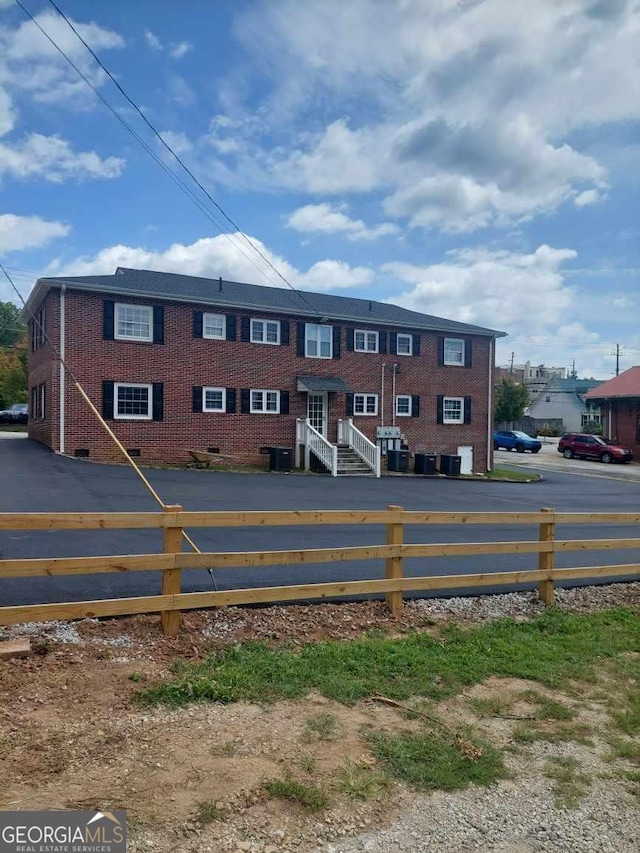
(548, 459)
(32, 479)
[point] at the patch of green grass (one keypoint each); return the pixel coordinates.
(547, 709)
(530, 731)
(428, 762)
(551, 649)
(207, 812)
(510, 474)
(628, 720)
(492, 706)
(570, 784)
(310, 797)
(623, 748)
(307, 762)
(361, 782)
(321, 727)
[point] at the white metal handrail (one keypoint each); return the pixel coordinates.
(314, 442)
(368, 451)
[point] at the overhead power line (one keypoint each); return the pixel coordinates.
(249, 242)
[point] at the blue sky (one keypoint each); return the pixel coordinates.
(465, 159)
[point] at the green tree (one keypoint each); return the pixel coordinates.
(12, 329)
(13, 377)
(511, 401)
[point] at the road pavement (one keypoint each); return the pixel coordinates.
(548, 459)
(32, 479)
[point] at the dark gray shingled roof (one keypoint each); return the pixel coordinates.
(233, 294)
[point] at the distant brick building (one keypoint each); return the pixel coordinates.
(176, 362)
(619, 401)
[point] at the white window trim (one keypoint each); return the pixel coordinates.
(221, 337)
(265, 411)
(204, 399)
(264, 322)
(450, 363)
(307, 326)
(402, 335)
(365, 414)
(445, 419)
(404, 414)
(118, 417)
(119, 337)
(366, 333)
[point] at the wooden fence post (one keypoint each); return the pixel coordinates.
(172, 544)
(546, 559)
(395, 536)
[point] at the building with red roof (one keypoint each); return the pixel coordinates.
(619, 399)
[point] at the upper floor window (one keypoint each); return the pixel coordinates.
(133, 322)
(214, 326)
(454, 351)
(132, 401)
(365, 341)
(365, 404)
(405, 344)
(265, 331)
(318, 341)
(265, 402)
(403, 405)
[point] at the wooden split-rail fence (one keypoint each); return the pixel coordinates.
(173, 521)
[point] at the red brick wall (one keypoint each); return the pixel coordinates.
(183, 361)
(43, 368)
(625, 424)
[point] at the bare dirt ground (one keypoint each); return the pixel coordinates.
(71, 736)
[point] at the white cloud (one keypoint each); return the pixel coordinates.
(459, 113)
(224, 255)
(52, 159)
(179, 50)
(152, 40)
(180, 142)
(328, 219)
(27, 232)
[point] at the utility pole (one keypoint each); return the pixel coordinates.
(513, 355)
(617, 355)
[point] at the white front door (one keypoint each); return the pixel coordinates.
(466, 459)
(317, 412)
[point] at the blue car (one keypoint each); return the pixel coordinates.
(513, 438)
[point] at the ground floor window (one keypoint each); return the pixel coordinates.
(403, 405)
(453, 410)
(265, 401)
(214, 399)
(365, 404)
(591, 418)
(133, 402)
(37, 410)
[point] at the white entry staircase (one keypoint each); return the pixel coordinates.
(353, 456)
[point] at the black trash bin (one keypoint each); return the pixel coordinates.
(280, 458)
(425, 463)
(450, 465)
(398, 460)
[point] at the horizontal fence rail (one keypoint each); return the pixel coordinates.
(173, 560)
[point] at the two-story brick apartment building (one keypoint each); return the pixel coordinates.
(176, 362)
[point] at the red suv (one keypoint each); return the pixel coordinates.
(593, 447)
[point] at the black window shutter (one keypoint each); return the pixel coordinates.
(158, 401)
(467, 410)
(109, 308)
(300, 339)
(468, 347)
(158, 324)
(415, 349)
(197, 324)
(415, 406)
(284, 402)
(393, 343)
(336, 341)
(197, 398)
(245, 328)
(440, 409)
(383, 342)
(349, 404)
(231, 400)
(440, 352)
(350, 339)
(284, 333)
(231, 327)
(245, 401)
(107, 400)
